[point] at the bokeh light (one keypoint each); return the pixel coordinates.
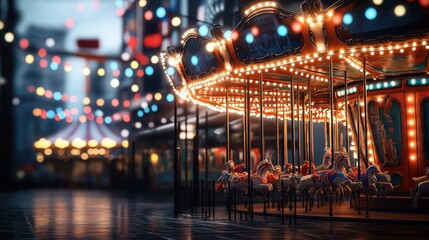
(370, 13)
(203, 30)
(400, 10)
(347, 19)
(282, 30)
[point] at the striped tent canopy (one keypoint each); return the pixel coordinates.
(82, 137)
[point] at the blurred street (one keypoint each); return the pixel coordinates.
(86, 214)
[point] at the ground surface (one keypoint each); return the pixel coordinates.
(93, 214)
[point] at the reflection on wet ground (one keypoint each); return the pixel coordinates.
(90, 214)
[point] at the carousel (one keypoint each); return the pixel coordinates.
(359, 67)
(84, 151)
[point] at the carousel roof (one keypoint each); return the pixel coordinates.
(79, 135)
(383, 41)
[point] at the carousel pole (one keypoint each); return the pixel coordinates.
(248, 148)
(285, 150)
(365, 127)
(195, 164)
(175, 163)
(261, 119)
(228, 146)
(346, 110)
(206, 153)
(292, 97)
(310, 130)
(277, 129)
(358, 147)
(325, 130)
(304, 129)
(298, 129)
(331, 105)
(186, 143)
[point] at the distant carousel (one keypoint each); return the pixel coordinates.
(360, 67)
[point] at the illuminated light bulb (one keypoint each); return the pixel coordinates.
(210, 46)
(412, 144)
(377, 2)
(413, 157)
(411, 110)
(101, 72)
(176, 21)
(411, 133)
(400, 10)
(9, 37)
(29, 59)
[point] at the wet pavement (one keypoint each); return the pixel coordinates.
(95, 214)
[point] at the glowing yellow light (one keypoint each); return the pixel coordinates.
(413, 157)
(154, 59)
(400, 10)
(125, 143)
(377, 2)
(1, 25)
(210, 47)
(9, 37)
(82, 119)
(101, 72)
(84, 156)
(411, 110)
(134, 64)
(410, 99)
(411, 133)
(61, 143)
(68, 68)
(47, 152)
(172, 61)
(29, 59)
(37, 112)
(134, 88)
(412, 144)
(154, 158)
(142, 3)
(40, 158)
(78, 143)
(40, 91)
(176, 21)
(92, 143)
(86, 101)
(100, 102)
(101, 151)
(86, 71)
(158, 96)
(380, 99)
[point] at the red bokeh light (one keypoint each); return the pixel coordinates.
(42, 52)
(73, 99)
(64, 97)
(49, 94)
(296, 27)
(132, 42)
(148, 15)
(69, 119)
(69, 23)
(31, 88)
(87, 109)
(115, 102)
(234, 35)
(126, 103)
(254, 30)
(337, 18)
(126, 118)
(90, 116)
(23, 43)
(137, 96)
(149, 97)
(140, 73)
(152, 40)
(143, 59)
(116, 72)
(57, 117)
(120, 11)
(74, 111)
(99, 120)
(43, 63)
(56, 59)
(424, 3)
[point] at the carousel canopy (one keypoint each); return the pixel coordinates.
(385, 42)
(82, 135)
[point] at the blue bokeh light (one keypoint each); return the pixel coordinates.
(140, 113)
(146, 110)
(194, 60)
(170, 71)
(249, 38)
(154, 108)
(114, 65)
(51, 114)
(160, 12)
(129, 72)
(370, 13)
(149, 70)
(108, 120)
(57, 96)
(170, 97)
(347, 19)
(53, 66)
(203, 30)
(282, 30)
(227, 34)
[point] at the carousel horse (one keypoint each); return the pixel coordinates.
(241, 168)
(374, 181)
(421, 187)
(326, 161)
(259, 179)
(341, 162)
(226, 174)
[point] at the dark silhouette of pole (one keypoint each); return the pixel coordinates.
(195, 163)
(331, 105)
(175, 163)
(228, 144)
(261, 119)
(310, 129)
(277, 129)
(366, 128)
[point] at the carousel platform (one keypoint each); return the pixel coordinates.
(387, 210)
